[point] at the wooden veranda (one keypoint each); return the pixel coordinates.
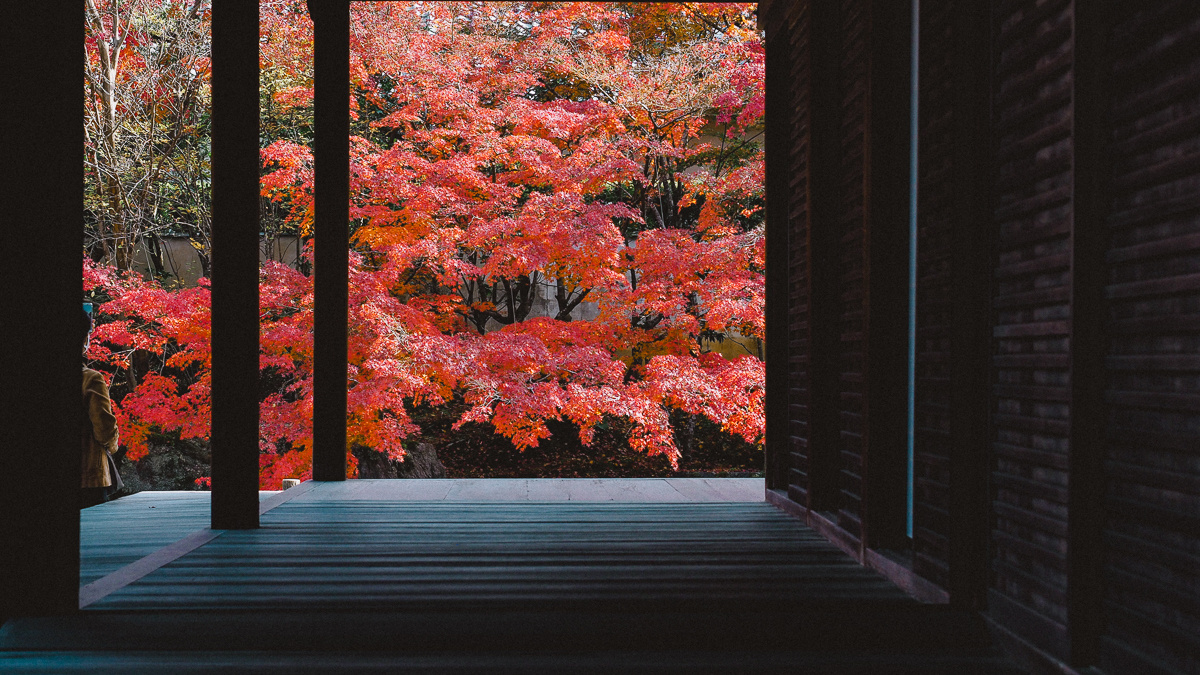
(983, 377)
(500, 576)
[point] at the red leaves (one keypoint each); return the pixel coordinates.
(729, 393)
(597, 153)
(172, 324)
(290, 180)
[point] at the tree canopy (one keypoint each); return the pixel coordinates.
(556, 213)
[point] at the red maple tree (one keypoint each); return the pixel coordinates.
(556, 214)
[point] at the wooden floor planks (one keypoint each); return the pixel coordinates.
(340, 579)
(116, 533)
(353, 554)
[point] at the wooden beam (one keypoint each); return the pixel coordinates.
(331, 117)
(41, 207)
(235, 266)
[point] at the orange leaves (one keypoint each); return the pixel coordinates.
(556, 207)
(711, 284)
(729, 393)
(290, 181)
(521, 377)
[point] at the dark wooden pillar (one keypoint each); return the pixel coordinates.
(885, 267)
(778, 89)
(952, 299)
(804, 158)
(235, 266)
(970, 334)
(1090, 239)
(781, 121)
(41, 207)
(331, 118)
(824, 160)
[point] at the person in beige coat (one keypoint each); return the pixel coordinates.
(99, 431)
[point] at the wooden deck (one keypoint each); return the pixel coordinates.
(117, 533)
(386, 576)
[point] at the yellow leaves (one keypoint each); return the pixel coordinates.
(305, 223)
(378, 238)
(673, 342)
(689, 197)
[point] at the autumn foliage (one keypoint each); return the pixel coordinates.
(556, 216)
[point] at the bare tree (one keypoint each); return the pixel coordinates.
(146, 126)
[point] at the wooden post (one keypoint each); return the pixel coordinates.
(1089, 345)
(235, 266)
(971, 333)
(331, 117)
(776, 406)
(885, 267)
(824, 443)
(41, 207)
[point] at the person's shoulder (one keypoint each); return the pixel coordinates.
(90, 376)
